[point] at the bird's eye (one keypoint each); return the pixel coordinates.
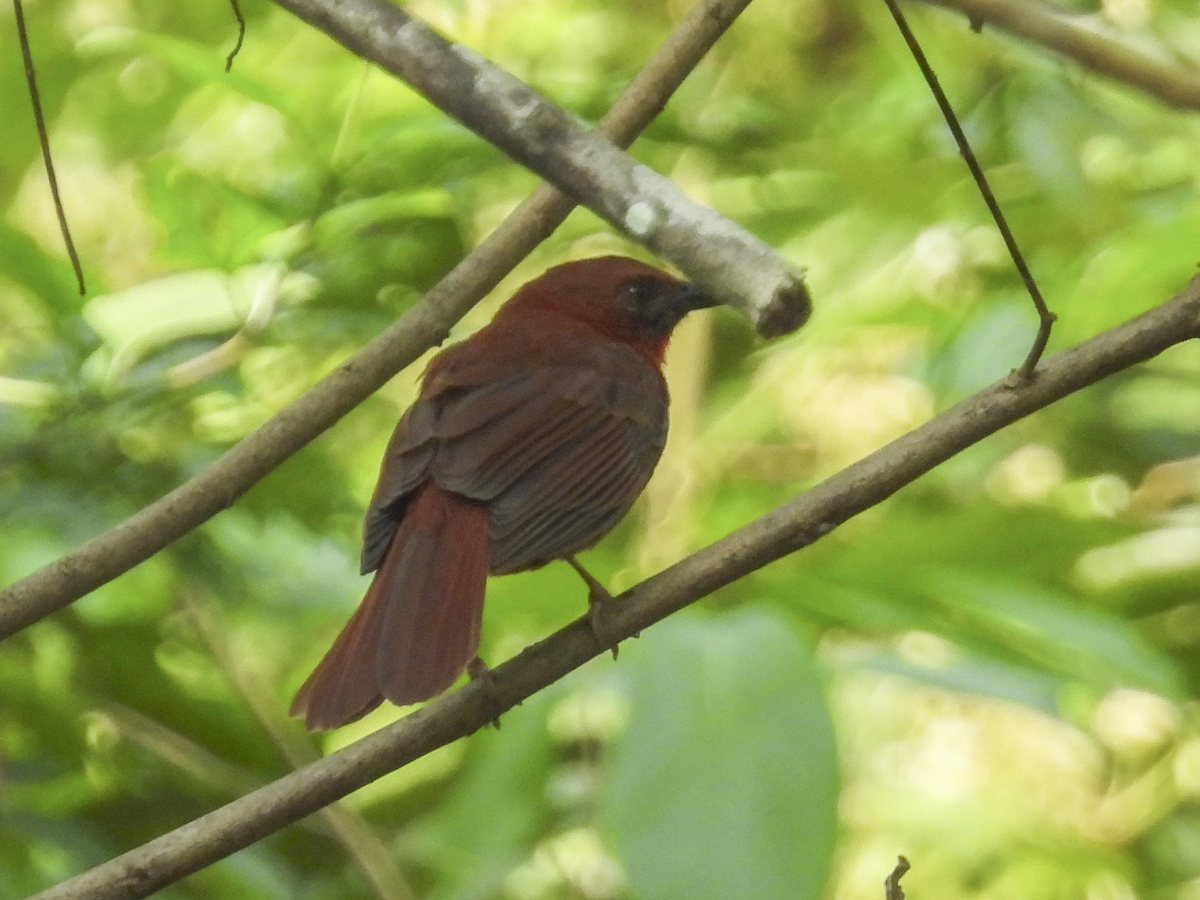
(638, 291)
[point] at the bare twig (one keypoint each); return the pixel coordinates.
(795, 525)
(730, 264)
(891, 884)
(1045, 317)
(241, 21)
(44, 140)
(146, 532)
(1080, 38)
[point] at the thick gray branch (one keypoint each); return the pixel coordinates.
(103, 558)
(1080, 38)
(732, 265)
(785, 530)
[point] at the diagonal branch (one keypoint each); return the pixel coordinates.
(795, 525)
(1098, 49)
(730, 264)
(143, 534)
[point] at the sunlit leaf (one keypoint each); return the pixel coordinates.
(726, 781)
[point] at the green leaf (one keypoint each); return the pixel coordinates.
(135, 322)
(726, 783)
(191, 61)
(486, 824)
(48, 279)
(1053, 631)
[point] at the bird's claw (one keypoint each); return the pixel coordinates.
(477, 670)
(598, 602)
(596, 607)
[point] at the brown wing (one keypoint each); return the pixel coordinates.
(558, 451)
(405, 466)
(561, 465)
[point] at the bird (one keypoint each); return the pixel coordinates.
(527, 443)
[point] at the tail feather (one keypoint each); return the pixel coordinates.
(417, 628)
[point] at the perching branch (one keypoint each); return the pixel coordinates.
(730, 264)
(795, 525)
(1083, 39)
(143, 534)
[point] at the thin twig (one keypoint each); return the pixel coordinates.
(795, 525)
(241, 20)
(44, 139)
(1045, 317)
(891, 884)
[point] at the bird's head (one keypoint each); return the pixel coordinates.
(623, 298)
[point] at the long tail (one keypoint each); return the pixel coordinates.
(417, 628)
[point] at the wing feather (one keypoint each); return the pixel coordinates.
(558, 451)
(561, 465)
(485, 463)
(405, 466)
(548, 526)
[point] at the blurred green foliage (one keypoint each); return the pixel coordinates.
(994, 673)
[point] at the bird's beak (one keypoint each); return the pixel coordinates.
(690, 297)
(669, 306)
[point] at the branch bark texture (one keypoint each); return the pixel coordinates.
(106, 556)
(730, 264)
(1080, 38)
(791, 527)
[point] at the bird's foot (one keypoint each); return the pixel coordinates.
(599, 602)
(477, 670)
